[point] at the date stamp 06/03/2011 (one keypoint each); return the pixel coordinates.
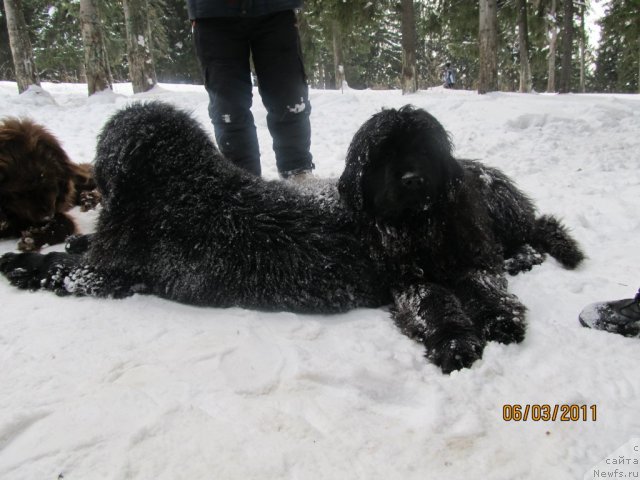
(549, 413)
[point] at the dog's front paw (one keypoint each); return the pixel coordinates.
(89, 200)
(6, 262)
(53, 232)
(456, 354)
(506, 330)
(509, 324)
(34, 271)
(523, 260)
(5, 225)
(29, 240)
(23, 270)
(77, 243)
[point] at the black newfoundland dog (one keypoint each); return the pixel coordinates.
(410, 224)
(181, 222)
(446, 230)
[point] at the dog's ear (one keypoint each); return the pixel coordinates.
(46, 146)
(11, 137)
(350, 183)
(363, 150)
(455, 178)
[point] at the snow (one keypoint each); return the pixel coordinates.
(298, 107)
(145, 388)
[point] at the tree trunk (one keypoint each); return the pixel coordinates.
(325, 76)
(139, 53)
(488, 79)
(106, 61)
(582, 49)
(567, 50)
(409, 78)
(523, 40)
(553, 43)
(21, 51)
(96, 64)
(338, 63)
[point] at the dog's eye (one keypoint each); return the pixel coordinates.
(411, 180)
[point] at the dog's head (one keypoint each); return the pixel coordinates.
(36, 176)
(399, 162)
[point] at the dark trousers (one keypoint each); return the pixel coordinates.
(223, 46)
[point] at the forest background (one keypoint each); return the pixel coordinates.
(360, 44)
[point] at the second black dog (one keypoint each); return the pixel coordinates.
(446, 231)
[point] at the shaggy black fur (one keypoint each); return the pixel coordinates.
(181, 222)
(443, 228)
(410, 225)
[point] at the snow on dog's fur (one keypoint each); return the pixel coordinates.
(443, 228)
(406, 223)
(181, 222)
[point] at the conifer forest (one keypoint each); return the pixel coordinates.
(493, 45)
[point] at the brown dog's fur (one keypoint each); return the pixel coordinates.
(38, 184)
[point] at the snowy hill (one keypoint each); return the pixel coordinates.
(143, 388)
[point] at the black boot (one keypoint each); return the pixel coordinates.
(617, 316)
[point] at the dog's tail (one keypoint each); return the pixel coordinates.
(552, 237)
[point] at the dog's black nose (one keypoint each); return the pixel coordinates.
(412, 181)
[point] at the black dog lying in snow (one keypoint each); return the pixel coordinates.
(443, 228)
(180, 222)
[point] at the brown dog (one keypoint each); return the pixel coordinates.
(38, 184)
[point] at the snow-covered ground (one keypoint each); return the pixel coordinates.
(144, 388)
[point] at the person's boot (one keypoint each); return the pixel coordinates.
(617, 316)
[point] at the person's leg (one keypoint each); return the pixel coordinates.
(223, 51)
(277, 58)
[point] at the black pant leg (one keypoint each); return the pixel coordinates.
(223, 49)
(277, 57)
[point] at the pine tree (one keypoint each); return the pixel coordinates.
(553, 46)
(173, 50)
(523, 47)
(336, 40)
(363, 36)
(567, 47)
(56, 39)
(6, 60)
(317, 55)
(21, 51)
(409, 79)
(96, 63)
(618, 57)
(338, 56)
(488, 78)
(451, 35)
(139, 45)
